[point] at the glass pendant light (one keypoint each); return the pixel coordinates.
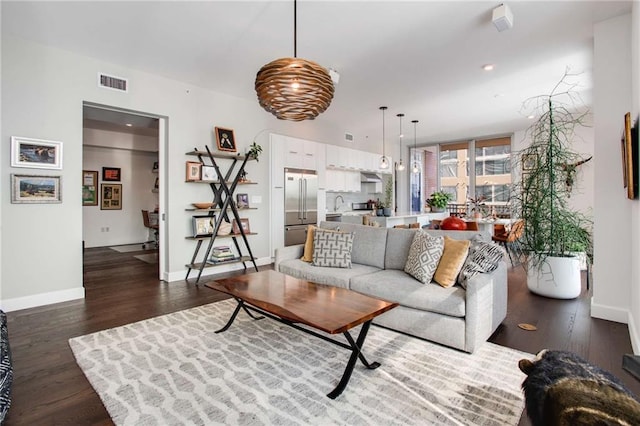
(400, 166)
(416, 166)
(384, 161)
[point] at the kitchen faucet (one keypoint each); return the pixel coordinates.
(335, 208)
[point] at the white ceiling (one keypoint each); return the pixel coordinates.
(421, 58)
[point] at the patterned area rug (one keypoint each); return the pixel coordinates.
(174, 370)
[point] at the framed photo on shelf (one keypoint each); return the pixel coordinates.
(36, 189)
(36, 153)
(111, 174)
(225, 139)
(89, 188)
(111, 196)
(208, 173)
(203, 225)
(244, 223)
(242, 201)
(193, 171)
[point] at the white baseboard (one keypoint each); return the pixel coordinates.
(180, 275)
(42, 299)
(609, 313)
(633, 335)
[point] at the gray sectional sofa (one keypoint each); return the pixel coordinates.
(452, 316)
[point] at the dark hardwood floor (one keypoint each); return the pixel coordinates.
(50, 389)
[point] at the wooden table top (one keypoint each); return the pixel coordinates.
(327, 308)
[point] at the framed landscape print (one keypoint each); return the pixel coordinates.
(36, 153)
(89, 188)
(111, 174)
(111, 196)
(36, 189)
(225, 139)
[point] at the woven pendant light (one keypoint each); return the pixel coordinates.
(292, 88)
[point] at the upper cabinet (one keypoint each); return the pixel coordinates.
(352, 159)
(301, 154)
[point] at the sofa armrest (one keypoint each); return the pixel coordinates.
(287, 253)
(486, 305)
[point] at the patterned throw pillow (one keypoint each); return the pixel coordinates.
(424, 255)
(332, 249)
(453, 257)
(483, 258)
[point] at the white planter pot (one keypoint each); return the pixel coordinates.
(557, 277)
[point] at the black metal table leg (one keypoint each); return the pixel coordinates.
(233, 317)
(356, 354)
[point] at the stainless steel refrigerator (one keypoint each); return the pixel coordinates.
(300, 204)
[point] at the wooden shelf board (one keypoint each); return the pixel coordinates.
(207, 237)
(217, 182)
(209, 265)
(219, 155)
(216, 209)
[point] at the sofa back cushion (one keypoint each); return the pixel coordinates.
(369, 243)
(398, 245)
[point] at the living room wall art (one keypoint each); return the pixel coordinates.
(111, 174)
(36, 153)
(89, 188)
(36, 189)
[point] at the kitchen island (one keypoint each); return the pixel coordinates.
(398, 219)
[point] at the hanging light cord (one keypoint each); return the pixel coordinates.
(295, 28)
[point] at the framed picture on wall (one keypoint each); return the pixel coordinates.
(36, 153)
(111, 196)
(36, 189)
(225, 139)
(111, 174)
(193, 171)
(89, 188)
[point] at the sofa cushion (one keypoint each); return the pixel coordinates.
(483, 257)
(398, 245)
(453, 257)
(338, 277)
(397, 286)
(332, 249)
(368, 242)
(424, 255)
(307, 254)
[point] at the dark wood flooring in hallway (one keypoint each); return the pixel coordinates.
(50, 389)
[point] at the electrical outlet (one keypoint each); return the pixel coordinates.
(256, 199)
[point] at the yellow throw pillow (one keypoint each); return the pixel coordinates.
(453, 257)
(307, 256)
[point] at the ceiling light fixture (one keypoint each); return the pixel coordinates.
(416, 166)
(292, 88)
(488, 67)
(400, 166)
(384, 161)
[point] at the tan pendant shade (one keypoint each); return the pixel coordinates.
(294, 89)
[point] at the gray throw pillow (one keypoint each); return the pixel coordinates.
(424, 254)
(332, 249)
(483, 258)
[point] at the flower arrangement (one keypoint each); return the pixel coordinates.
(478, 206)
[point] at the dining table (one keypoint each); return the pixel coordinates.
(487, 224)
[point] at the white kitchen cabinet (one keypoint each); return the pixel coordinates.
(343, 180)
(301, 154)
(277, 146)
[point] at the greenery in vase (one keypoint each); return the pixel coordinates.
(439, 199)
(388, 193)
(552, 227)
(254, 150)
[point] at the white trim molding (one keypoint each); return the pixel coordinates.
(42, 299)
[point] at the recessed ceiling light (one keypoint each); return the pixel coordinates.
(498, 95)
(128, 124)
(488, 67)
(531, 117)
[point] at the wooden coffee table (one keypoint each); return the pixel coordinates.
(292, 301)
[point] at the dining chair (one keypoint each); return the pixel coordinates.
(510, 240)
(472, 225)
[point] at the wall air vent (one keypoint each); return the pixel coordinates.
(113, 83)
(348, 137)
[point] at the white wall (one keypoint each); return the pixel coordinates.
(634, 315)
(612, 212)
(43, 90)
(115, 227)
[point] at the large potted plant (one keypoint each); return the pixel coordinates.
(439, 200)
(388, 197)
(553, 230)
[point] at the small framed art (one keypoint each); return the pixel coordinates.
(111, 174)
(89, 188)
(203, 225)
(111, 196)
(242, 201)
(244, 223)
(36, 153)
(36, 189)
(193, 171)
(225, 139)
(208, 173)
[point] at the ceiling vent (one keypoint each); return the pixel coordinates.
(113, 83)
(348, 137)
